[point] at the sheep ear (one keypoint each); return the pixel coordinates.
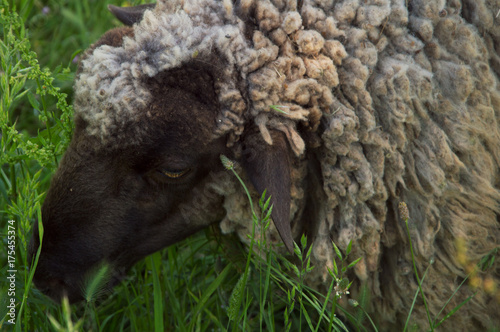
(268, 167)
(130, 15)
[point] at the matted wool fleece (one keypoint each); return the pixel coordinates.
(397, 100)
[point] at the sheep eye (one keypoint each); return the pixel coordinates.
(174, 174)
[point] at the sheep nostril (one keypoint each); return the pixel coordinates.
(53, 287)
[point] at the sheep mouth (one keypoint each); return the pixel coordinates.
(57, 289)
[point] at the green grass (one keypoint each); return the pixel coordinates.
(206, 283)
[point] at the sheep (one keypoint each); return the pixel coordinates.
(341, 109)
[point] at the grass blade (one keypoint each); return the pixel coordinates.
(211, 289)
(158, 298)
(454, 310)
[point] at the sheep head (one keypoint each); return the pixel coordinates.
(146, 185)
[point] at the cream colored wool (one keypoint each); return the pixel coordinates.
(402, 99)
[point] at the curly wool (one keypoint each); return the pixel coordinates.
(413, 116)
(399, 103)
(165, 39)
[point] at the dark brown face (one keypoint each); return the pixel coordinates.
(119, 205)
